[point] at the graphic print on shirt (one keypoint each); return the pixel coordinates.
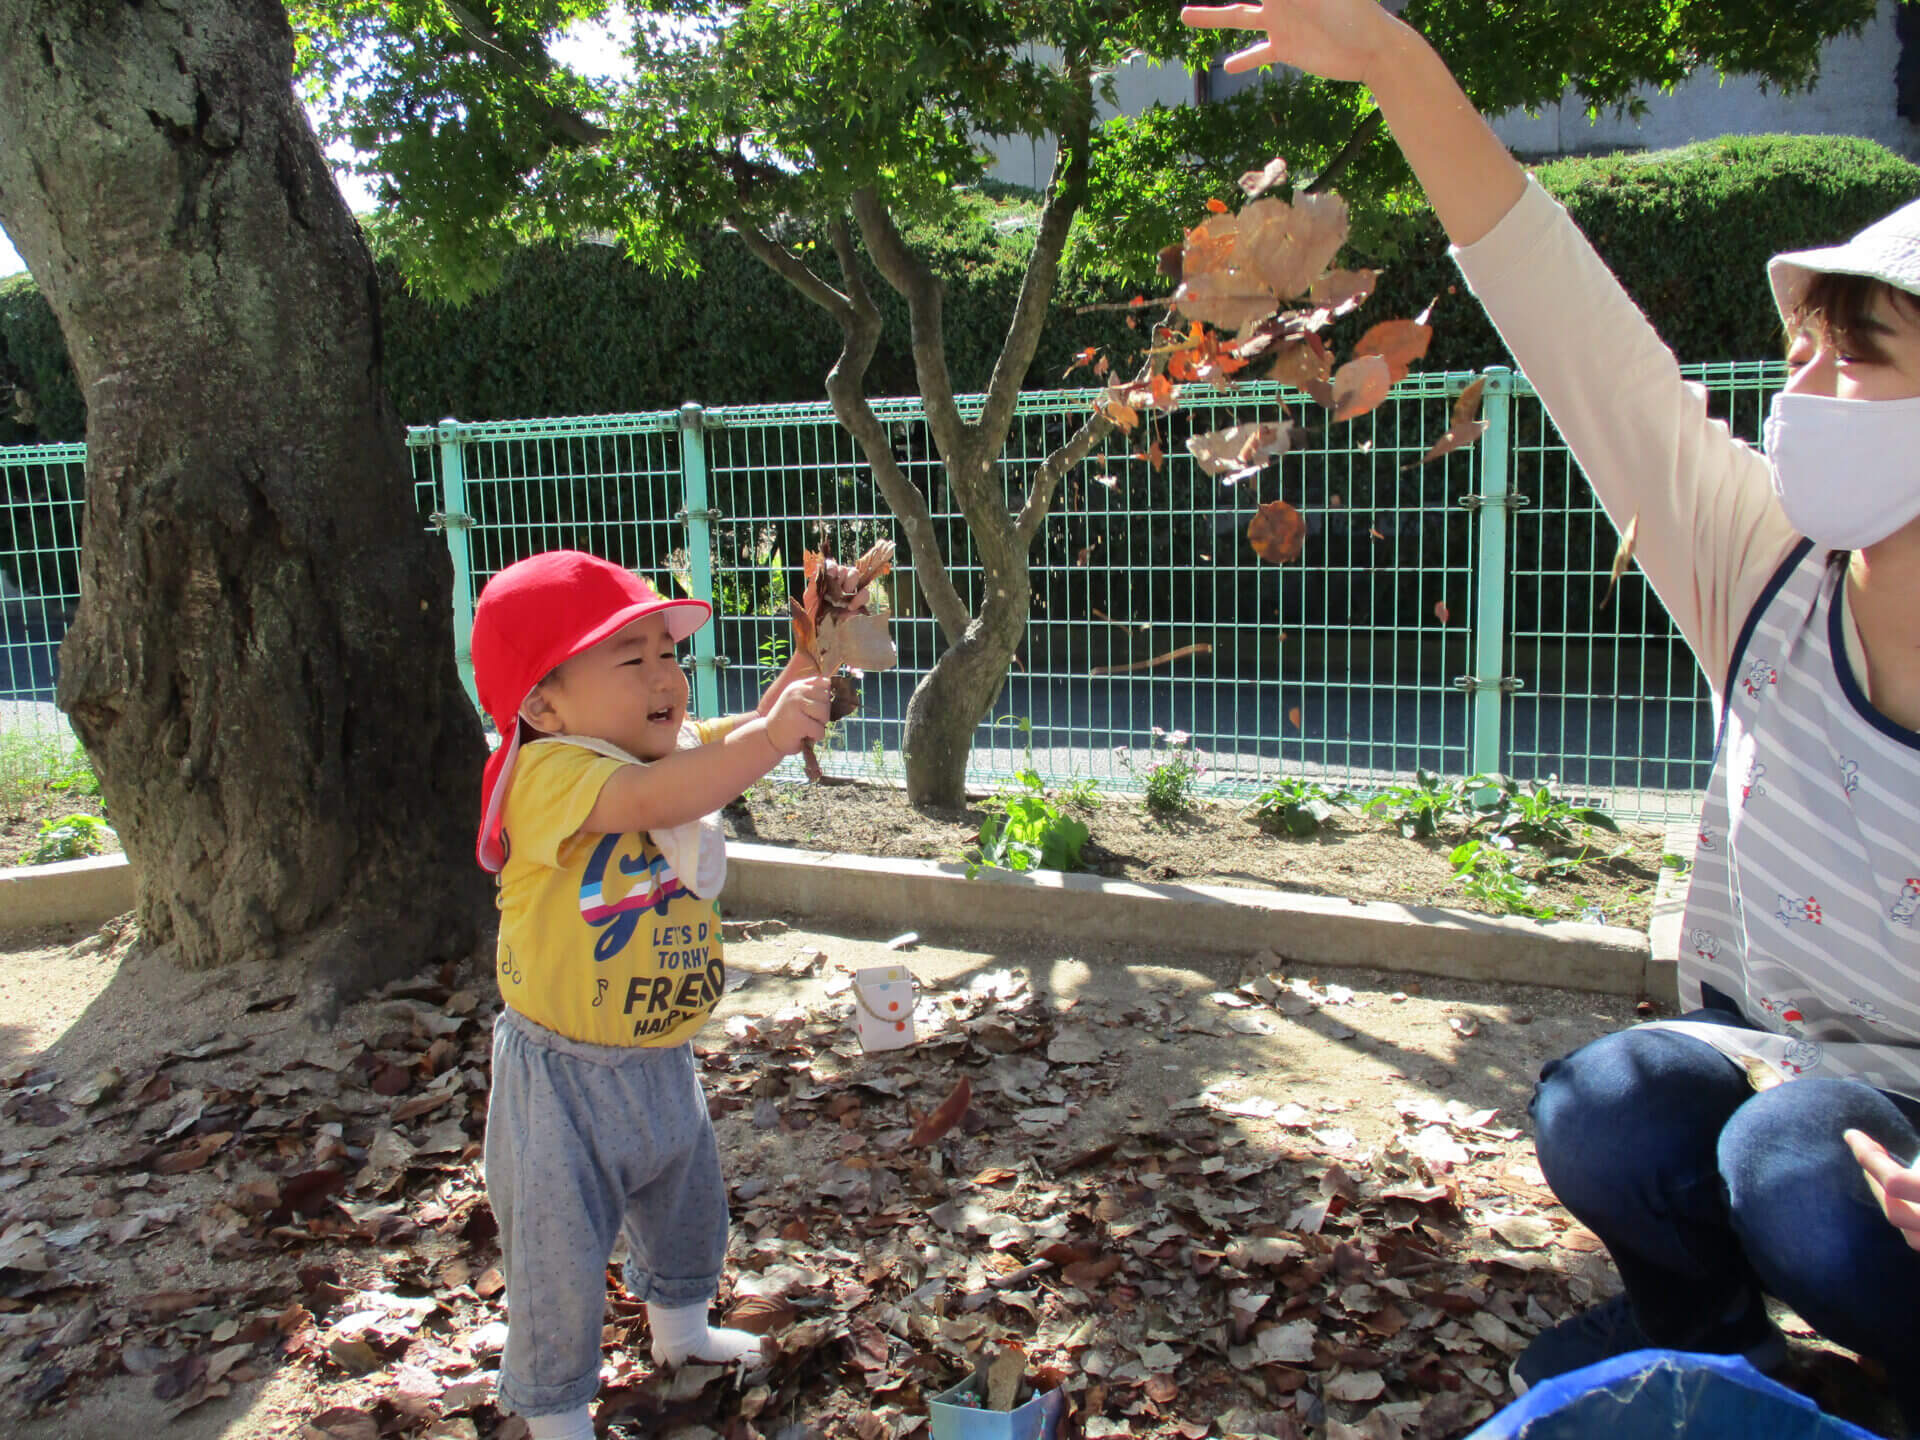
(1786, 1012)
(1906, 905)
(1752, 786)
(1801, 1056)
(1705, 944)
(1759, 673)
(1849, 775)
(1792, 910)
(1706, 838)
(606, 902)
(1868, 1011)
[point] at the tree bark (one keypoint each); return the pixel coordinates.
(262, 662)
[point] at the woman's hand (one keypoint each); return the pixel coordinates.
(1895, 1186)
(1335, 39)
(1467, 173)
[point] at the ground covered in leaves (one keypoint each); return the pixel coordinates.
(1208, 1198)
(1353, 856)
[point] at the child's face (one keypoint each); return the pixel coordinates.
(628, 689)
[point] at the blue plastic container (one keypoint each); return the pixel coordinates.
(1665, 1395)
(1035, 1420)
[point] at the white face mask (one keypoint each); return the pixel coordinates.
(1847, 471)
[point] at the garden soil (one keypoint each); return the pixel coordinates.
(1210, 1197)
(1353, 856)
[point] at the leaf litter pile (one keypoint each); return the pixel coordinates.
(1220, 1262)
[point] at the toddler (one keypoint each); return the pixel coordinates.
(598, 817)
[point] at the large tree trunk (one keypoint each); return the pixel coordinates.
(952, 699)
(262, 664)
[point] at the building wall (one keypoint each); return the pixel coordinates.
(1854, 96)
(1136, 85)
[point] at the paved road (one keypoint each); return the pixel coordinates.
(1246, 730)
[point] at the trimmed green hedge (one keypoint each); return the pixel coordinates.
(582, 331)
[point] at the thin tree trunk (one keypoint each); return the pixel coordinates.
(952, 699)
(261, 666)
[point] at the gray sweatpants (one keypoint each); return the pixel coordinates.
(583, 1142)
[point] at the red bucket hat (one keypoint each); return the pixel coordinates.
(532, 617)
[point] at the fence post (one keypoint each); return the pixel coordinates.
(1487, 685)
(699, 517)
(455, 520)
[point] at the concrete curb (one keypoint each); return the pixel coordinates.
(928, 895)
(69, 892)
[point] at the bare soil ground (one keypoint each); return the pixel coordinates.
(1354, 855)
(1208, 1198)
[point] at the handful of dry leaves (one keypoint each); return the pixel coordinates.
(835, 628)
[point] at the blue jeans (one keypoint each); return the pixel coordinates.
(1706, 1192)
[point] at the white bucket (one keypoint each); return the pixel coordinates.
(883, 1007)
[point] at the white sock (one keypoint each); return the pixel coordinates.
(682, 1334)
(568, 1425)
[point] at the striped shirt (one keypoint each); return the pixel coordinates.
(1804, 913)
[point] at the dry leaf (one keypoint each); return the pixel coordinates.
(1441, 612)
(1360, 385)
(1257, 182)
(1341, 292)
(1294, 716)
(929, 1130)
(1239, 450)
(1623, 556)
(1398, 342)
(1277, 532)
(1466, 426)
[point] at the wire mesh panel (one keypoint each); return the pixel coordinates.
(1613, 700)
(1152, 615)
(41, 490)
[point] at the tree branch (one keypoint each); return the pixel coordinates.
(569, 125)
(923, 291)
(1363, 133)
(1066, 192)
(846, 390)
(797, 273)
(1047, 479)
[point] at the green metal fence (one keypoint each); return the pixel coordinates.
(1445, 616)
(41, 491)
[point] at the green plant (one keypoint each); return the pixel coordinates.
(1082, 792)
(71, 837)
(73, 772)
(1173, 779)
(1299, 807)
(1539, 815)
(773, 659)
(1027, 831)
(877, 760)
(1488, 871)
(1420, 808)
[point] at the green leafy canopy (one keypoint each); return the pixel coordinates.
(784, 109)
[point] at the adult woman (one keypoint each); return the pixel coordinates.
(1796, 579)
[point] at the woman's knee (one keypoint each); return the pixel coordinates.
(1636, 1097)
(1783, 1154)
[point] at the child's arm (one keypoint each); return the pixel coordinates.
(687, 784)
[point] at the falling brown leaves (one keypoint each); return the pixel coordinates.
(1622, 557)
(1277, 532)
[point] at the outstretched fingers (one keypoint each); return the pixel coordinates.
(1221, 17)
(1894, 1185)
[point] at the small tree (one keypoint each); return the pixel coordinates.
(261, 666)
(812, 129)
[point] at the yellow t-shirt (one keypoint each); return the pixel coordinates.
(599, 940)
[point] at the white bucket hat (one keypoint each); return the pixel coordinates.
(1886, 250)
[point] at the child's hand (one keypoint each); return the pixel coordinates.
(798, 667)
(1895, 1186)
(799, 713)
